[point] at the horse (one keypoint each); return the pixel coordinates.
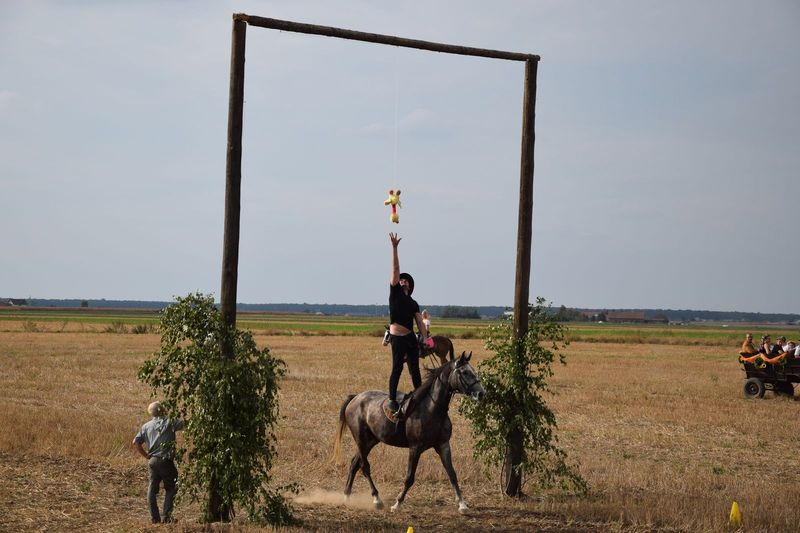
(442, 347)
(426, 425)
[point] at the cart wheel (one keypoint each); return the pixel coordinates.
(754, 388)
(784, 389)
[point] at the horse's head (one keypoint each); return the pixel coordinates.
(464, 379)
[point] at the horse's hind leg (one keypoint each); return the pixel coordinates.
(365, 445)
(447, 461)
(355, 464)
(442, 355)
(413, 460)
(365, 469)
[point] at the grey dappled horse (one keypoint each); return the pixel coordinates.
(426, 424)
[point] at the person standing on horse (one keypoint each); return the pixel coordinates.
(403, 312)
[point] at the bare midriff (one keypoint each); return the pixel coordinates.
(398, 330)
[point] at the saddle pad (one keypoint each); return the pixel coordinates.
(388, 413)
(402, 398)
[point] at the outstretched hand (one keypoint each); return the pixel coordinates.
(395, 239)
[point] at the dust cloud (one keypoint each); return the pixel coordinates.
(328, 497)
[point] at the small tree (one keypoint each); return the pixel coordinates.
(514, 379)
(230, 406)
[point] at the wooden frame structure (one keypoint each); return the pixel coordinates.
(233, 168)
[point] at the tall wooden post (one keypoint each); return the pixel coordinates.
(233, 175)
(230, 246)
(512, 484)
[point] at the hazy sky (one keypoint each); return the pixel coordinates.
(667, 152)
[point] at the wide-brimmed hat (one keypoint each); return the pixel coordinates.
(406, 276)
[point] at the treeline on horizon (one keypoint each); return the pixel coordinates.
(441, 311)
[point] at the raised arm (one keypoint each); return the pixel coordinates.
(395, 279)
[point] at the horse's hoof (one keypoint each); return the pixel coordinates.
(378, 504)
(462, 507)
(395, 507)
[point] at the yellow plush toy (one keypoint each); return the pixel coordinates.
(394, 201)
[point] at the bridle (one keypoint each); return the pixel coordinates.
(463, 384)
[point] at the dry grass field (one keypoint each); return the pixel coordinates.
(661, 433)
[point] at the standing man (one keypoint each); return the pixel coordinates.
(159, 435)
(403, 312)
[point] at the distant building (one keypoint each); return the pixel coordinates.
(16, 302)
(593, 315)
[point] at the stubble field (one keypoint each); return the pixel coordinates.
(661, 433)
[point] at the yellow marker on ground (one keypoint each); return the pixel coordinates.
(735, 519)
(410, 529)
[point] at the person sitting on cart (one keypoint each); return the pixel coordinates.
(770, 351)
(777, 348)
(791, 350)
(766, 345)
(783, 344)
(747, 346)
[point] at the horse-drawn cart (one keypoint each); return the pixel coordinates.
(762, 376)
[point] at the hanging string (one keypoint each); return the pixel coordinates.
(396, 112)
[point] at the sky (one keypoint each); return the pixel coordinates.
(667, 167)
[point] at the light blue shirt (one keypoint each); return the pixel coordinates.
(156, 433)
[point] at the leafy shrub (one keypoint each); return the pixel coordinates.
(116, 327)
(514, 379)
(141, 329)
(230, 405)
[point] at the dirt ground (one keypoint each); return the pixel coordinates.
(75, 494)
(662, 435)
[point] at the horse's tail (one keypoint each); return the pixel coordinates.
(451, 350)
(337, 439)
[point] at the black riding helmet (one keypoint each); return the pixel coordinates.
(406, 276)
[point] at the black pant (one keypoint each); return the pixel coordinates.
(404, 348)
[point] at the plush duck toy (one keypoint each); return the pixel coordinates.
(394, 201)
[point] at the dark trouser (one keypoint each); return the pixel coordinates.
(161, 470)
(404, 348)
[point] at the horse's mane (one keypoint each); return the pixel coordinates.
(431, 375)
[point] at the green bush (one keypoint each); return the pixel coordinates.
(141, 329)
(230, 405)
(515, 378)
(116, 327)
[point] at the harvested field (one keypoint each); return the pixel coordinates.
(662, 434)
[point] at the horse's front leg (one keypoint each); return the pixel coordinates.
(413, 460)
(447, 460)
